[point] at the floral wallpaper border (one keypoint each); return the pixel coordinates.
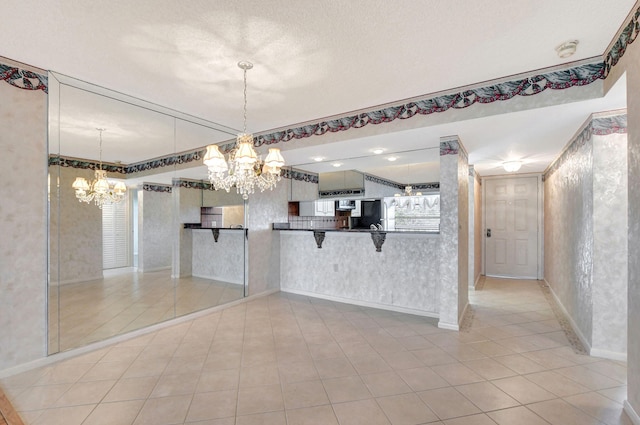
(384, 182)
(343, 192)
(619, 48)
(23, 79)
(86, 164)
(401, 186)
(600, 126)
(556, 80)
(152, 187)
(302, 176)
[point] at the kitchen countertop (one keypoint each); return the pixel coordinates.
(284, 226)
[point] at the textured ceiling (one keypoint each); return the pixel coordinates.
(313, 59)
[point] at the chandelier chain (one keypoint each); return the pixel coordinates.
(244, 126)
(100, 154)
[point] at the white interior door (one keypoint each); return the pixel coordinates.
(511, 227)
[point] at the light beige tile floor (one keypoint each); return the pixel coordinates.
(286, 359)
(86, 312)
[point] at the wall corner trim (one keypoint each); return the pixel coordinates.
(633, 415)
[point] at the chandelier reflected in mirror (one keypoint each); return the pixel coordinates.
(243, 169)
(100, 190)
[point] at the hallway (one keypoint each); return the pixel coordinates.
(288, 359)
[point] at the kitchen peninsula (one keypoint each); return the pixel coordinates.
(344, 265)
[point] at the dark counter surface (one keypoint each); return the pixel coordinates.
(199, 226)
(285, 226)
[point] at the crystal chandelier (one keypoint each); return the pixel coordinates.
(99, 190)
(244, 169)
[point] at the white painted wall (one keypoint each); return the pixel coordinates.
(301, 190)
(377, 190)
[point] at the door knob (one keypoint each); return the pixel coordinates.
(488, 233)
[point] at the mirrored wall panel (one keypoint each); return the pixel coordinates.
(137, 235)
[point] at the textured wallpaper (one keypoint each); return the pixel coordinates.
(478, 233)
(610, 260)
(629, 68)
(223, 260)
(264, 209)
(154, 234)
(454, 231)
(632, 66)
(568, 235)
(186, 209)
(23, 228)
(80, 233)
(404, 274)
(463, 232)
(586, 239)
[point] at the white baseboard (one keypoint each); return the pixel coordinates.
(581, 337)
(72, 281)
(45, 361)
(475, 283)
(633, 415)
(450, 326)
(594, 352)
(606, 354)
(154, 269)
(361, 303)
(219, 279)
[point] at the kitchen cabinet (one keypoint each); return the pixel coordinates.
(325, 208)
(357, 211)
(318, 208)
(307, 208)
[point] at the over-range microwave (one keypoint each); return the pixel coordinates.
(345, 205)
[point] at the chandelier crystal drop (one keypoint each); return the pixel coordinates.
(100, 191)
(243, 169)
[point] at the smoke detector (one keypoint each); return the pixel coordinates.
(567, 48)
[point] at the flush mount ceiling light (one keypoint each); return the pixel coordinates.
(378, 151)
(567, 48)
(243, 169)
(100, 190)
(392, 158)
(512, 166)
(337, 164)
(318, 158)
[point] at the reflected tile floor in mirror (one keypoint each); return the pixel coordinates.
(290, 360)
(98, 309)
